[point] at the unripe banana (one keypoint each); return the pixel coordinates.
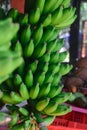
(56, 79)
(51, 45)
(44, 90)
(16, 97)
(62, 97)
(54, 57)
(59, 44)
(13, 13)
(63, 56)
(48, 6)
(25, 35)
(23, 90)
(42, 104)
(49, 120)
(34, 16)
(49, 77)
(56, 15)
(54, 68)
(40, 78)
(58, 3)
(66, 3)
(33, 66)
(17, 80)
(18, 48)
(51, 107)
(37, 35)
(40, 4)
(29, 78)
(47, 34)
(61, 110)
(46, 21)
(43, 66)
(55, 35)
(55, 90)
(23, 111)
(40, 50)
(45, 57)
(34, 91)
(23, 19)
(65, 69)
(29, 48)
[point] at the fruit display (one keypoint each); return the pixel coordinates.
(38, 79)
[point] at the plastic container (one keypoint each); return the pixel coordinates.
(71, 121)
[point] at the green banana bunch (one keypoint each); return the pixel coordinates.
(61, 110)
(9, 29)
(34, 15)
(34, 91)
(65, 68)
(55, 90)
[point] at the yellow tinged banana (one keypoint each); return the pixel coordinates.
(42, 104)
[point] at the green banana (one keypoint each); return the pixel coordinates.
(23, 19)
(48, 120)
(55, 35)
(61, 110)
(54, 68)
(56, 79)
(8, 65)
(34, 91)
(46, 20)
(45, 57)
(13, 13)
(47, 34)
(29, 48)
(56, 15)
(29, 78)
(43, 67)
(18, 48)
(44, 90)
(62, 97)
(65, 69)
(55, 90)
(48, 77)
(23, 111)
(34, 16)
(51, 107)
(40, 50)
(23, 90)
(33, 66)
(40, 78)
(17, 80)
(57, 5)
(25, 35)
(40, 4)
(48, 6)
(66, 3)
(62, 56)
(51, 45)
(15, 118)
(37, 35)
(59, 44)
(54, 57)
(42, 104)
(16, 97)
